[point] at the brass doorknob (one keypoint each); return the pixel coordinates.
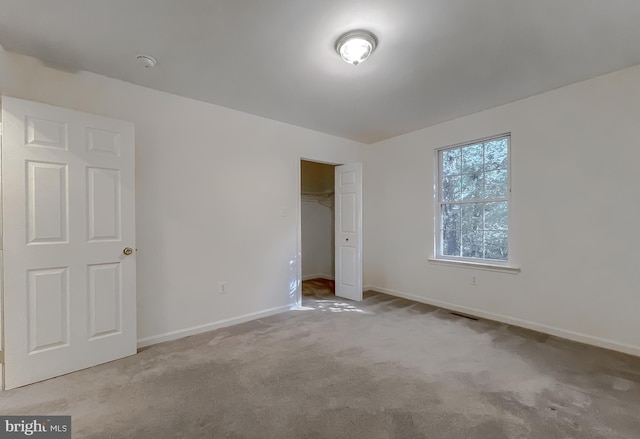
(127, 251)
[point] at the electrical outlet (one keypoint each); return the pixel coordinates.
(223, 288)
(474, 282)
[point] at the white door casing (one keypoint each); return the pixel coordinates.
(348, 234)
(68, 214)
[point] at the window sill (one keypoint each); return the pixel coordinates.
(475, 265)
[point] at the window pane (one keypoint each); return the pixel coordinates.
(450, 243)
(472, 217)
(495, 216)
(495, 155)
(472, 159)
(496, 245)
(472, 244)
(451, 162)
(495, 184)
(473, 190)
(450, 216)
(472, 186)
(451, 188)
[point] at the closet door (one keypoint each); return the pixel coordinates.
(348, 193)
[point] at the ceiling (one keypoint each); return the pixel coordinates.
(436, 59)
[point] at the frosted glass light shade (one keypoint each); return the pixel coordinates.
(356, 46)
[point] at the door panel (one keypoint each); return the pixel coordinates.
(68, 212)
(348, 213)
(104, 204)
(348, 266)
(348, 234)
(102, 141)
(48, 308)
(46, 133)
(46, 202)
(105, 310)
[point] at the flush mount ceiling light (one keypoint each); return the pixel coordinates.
(356, 46)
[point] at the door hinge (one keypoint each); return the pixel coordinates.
(1, 357)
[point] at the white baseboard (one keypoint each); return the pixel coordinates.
(318, 276)
(552, 330)
(174, 335)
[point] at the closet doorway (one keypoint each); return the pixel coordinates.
(317, 217)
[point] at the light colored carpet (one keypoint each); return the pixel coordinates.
(382, 368)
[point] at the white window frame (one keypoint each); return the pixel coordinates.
(502, 265)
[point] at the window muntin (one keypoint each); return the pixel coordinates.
(473, 204)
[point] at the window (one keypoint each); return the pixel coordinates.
(473, 201)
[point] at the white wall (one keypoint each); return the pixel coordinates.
(574, 220)
(317, 240)
(211, 184)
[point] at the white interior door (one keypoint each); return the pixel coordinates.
(348, 201)
(68, 215)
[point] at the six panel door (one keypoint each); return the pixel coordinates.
(348, 231)
(68, 213)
